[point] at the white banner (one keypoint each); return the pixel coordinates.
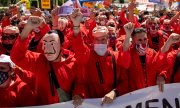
(145, 98)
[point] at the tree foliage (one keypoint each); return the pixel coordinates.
(60, 2)
(3, 3)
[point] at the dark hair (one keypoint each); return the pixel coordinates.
(146, 13)
(138, 30)
(59, 33)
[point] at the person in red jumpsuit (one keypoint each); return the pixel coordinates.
(102, 66)
(156, 37)
(142, 71)
(167, 58)
(13, 91)
(9, 36)
(57, 72)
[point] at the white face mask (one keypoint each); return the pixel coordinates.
(51, 46)
(100, 49)
(141, 48)
(102, 23)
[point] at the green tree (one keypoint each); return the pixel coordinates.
(60, 2)
(4, 3)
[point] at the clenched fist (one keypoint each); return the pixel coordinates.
(129, 27)
(173, 38)
(76, 17)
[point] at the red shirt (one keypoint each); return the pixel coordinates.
(88, 59)
(18, 94)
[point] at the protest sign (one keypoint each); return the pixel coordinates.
(65, 10)
(149, 97)
(46, 4)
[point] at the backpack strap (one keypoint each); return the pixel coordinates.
(100, 73)
(53, 80)
(175, 68)
(114, 68)
(63, 96)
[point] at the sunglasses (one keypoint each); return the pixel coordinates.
(9, 36)
(111, 25)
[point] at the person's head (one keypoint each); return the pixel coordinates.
(140, 40)
(100, 34)
(9, 35)
(6, 70)
(102, 20)
(52, 44)
(111, 25)
(62, 23)
(166, 25)
(152, 25)
(169, 14)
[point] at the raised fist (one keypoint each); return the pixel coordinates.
(131, 6)
(35, 11)
(129, 27)
(54, 15)
(34, 21)
(174, 38)
(76, 17)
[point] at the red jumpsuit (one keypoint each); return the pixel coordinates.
(5, 21)
(166, 62)
(18, 94)
(140, 77)
(162, 37)
(99, 86)
(37, 38)
(125, 21)
(27, 77)
(67, 72)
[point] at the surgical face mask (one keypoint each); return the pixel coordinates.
(100, 49)
(3, 77)
(102, 23)
(141, 48)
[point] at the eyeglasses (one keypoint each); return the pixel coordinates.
(9, 36)
(111, 24)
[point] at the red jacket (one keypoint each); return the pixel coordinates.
(135, 71)
(68, 72)
(5, 21)
(166, 62)
(18, 94)
(124, 21)
(37, 38)
(88, 58)
(27, 77)
(162, 38)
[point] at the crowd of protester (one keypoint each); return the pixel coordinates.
(51, 59)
